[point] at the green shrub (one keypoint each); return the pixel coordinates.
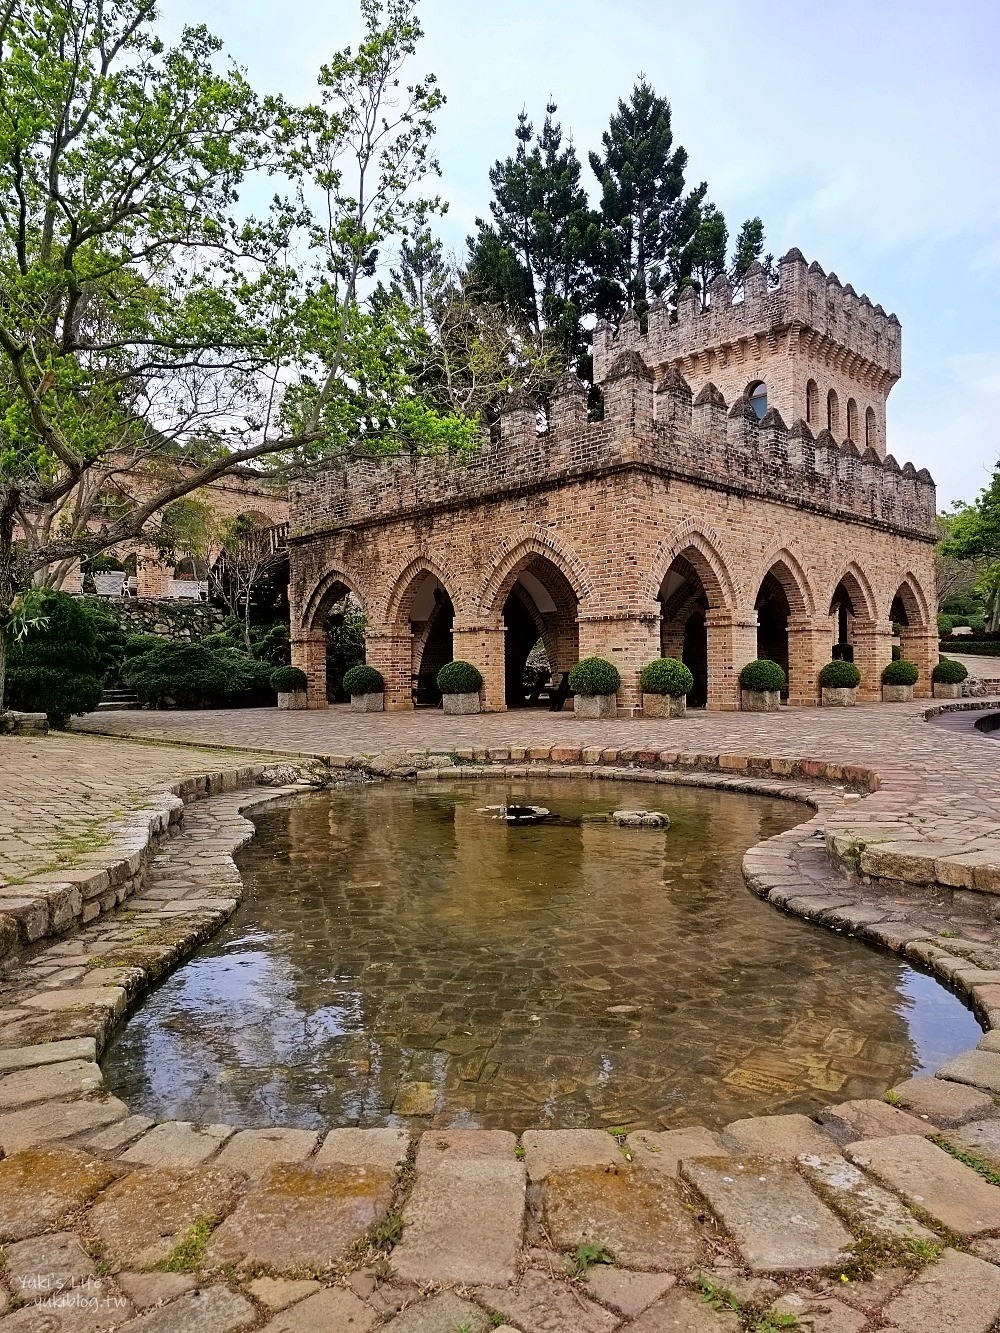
(288, 680)
(364, 679)
(949, 672)
(762, 677)
(897, 653)
(193, 676)
(900, 673)
(54, 670)
(109, 642)
(666, 675)
(840, 676)
(594, 676)
(459, 678)
(945, 624)
(137, 644)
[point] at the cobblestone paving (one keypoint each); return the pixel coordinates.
(874, 1216)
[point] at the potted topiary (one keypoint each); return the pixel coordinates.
(366, 686)
(898, 680)
(839, 683)
(761, 683)
(947, 677)
(595, 683)
(460, 683)
(665, 685)
(289, 684)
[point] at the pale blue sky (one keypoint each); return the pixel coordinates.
(863, 131)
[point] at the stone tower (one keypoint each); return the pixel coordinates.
(809, 347)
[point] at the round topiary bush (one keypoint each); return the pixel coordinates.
(459, 678)
(762, 677)
(900, 673)
(666, 676)
(288, 680)
(594, 676)
(363, 679)
(55, 668)
(949, 672)
(840, 676)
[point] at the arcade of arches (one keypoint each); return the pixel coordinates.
(539, 608)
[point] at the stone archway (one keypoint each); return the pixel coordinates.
(697, 621)
(918, 638)
(856, 633)
(310, 639)
(786, 631)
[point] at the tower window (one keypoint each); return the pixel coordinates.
(870, 429)
(757, 393)
(832, 413)
(852, 420)
(812, 402)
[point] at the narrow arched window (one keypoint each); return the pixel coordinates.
(852, 420)
(832, 413)
(757, 393)
(812, 402)
(871, 430)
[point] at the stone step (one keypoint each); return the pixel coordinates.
(945, 1104)
(980, 1069)
(958, 1294)
(949, 1192)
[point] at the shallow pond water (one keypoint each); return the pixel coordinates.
(400, 955)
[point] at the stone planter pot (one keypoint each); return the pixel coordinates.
(760, 701)
(663, 705)
(368, 703)
(943, 691)
(461, 704)
(845, 697)
(897, 694)
(296, 699)
(593, 706)
(110, 584)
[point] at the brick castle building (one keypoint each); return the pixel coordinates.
(736, 501)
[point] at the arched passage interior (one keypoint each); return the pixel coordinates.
(431, 615)
(541, 628)
(773, 614)
(685, 603)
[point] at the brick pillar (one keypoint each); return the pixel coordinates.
(628, 641)
(672, 638)
(72, 580)
(152, 579)
(309, 655)
(872, 641)
(732, 643)
(809, 648)
(920, 646)
(484, 646)
(390, 650)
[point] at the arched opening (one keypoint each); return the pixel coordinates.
(871, 429)
(328, 637)
(344, 627)
(685, 603)
(812, 402)
(852, 621)
(833, 413)
(917, 636)
(852, 420)
(428, 608)
(540, 611)
(773, 613)
(756, 391)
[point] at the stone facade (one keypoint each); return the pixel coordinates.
(680, 524)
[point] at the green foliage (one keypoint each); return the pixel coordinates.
(949, 672)
(109, 642)
(288, 680)
(362, 679)
(191, 675)
(840, 676)
(136, 644)
(666, 675)
(459, 678)
(53, 669)
(762, 676)
(594, 676)
(945, 623)
(900, 673)
(585, 1256)
(974, 535)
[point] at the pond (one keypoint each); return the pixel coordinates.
(401, 956)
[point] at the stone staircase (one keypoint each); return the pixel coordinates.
(117, 699)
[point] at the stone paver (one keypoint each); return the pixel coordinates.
(442, 1314)
(297, 1217)
(639, 1216)
(333, 1310)
(981, 1138)
(944, 1104)
(664, 1151)
(60, 1286)
(629, 1293)
(980, 1069)
(821, 1314)
(252, 1151)
(141, 1219)
(867, 1206)
(869, 1119)
(684, 1312)
(50, 1121)
(931, 1180)
(177, 1143)
(38, 1188)
(778, 1223)
(548, 1150)
(548, 1305)
(47, 1053)
(146, 1290)
(207, 1310)
(958, 1294)
(278, 1293)
(783, 1137)
(384, 1148)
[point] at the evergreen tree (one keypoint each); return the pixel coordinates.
(706, 256)
(538, 257)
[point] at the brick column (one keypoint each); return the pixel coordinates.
(920, 646)
(309, 655)
(872, 641)
(809, 649)
(628, 641)
(152, 579)
(484, 646)
(390, 650)
(732, 643)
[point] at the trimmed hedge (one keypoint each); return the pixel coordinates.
(459, 678)
(189, 675)
(594, 676)
(137, 644)
(666, 675)
(949, 672)
(840, 676)
(762, 677)
(55, 668)
(364, 679)
(974, 647)
(288, 680)
(900, 673)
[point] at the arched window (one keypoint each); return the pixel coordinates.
(871, 430)
(832, 413)
(757, 393)
(812, 402)
(852, 420)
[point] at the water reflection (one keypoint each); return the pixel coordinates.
(400, 955)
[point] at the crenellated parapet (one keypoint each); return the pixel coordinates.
(654, 428)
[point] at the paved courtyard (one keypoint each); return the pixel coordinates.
(873, 1215)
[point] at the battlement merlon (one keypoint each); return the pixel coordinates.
(805, 298)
